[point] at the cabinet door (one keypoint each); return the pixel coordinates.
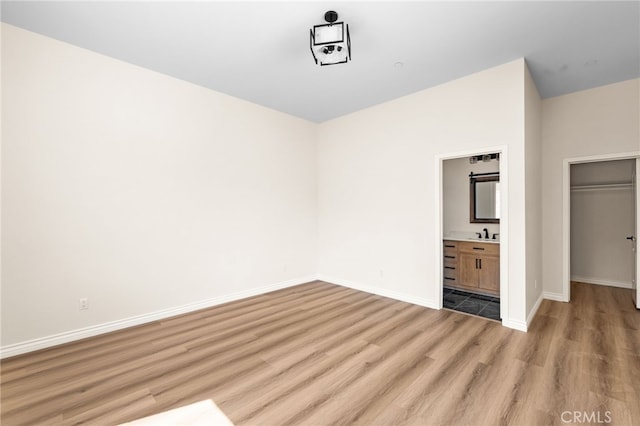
(467, 270)
(489, 273)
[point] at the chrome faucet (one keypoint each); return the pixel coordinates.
(486, 233)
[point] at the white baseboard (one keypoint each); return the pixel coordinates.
(427, 303)
(515, 324)
(598, 281)
(558, 297)
(95, 330)
(534, 310)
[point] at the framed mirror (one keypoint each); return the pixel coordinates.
(484, 197)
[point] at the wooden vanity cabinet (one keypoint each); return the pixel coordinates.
(476, 266)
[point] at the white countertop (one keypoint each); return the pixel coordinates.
(475, 240)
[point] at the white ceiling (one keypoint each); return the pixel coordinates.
(259, 51)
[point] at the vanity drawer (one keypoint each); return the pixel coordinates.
(450, 273)
(490, 249)
(450, 245)
(450, 278)
(450, 263)
(450, 259)
(450, 250)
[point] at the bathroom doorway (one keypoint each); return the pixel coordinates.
(472, 207)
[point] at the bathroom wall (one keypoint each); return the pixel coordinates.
(456, 195)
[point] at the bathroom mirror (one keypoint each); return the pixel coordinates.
(484, 197)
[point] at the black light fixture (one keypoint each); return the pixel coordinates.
(330, 43)
(484, 157)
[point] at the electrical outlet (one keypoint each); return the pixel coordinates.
(83, 303)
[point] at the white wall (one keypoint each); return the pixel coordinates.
(140, 191)
(455, 189)
(376, 182)
(601, 219)
(533, 191)
(604, 120)
(143, 193)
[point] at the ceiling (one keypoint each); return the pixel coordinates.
(259, 51)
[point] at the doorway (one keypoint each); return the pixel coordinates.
(458, 228)
(601, 216)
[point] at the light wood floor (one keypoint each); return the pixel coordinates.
(322, 354)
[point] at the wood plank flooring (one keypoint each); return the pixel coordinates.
(319, 354)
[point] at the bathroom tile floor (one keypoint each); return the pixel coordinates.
(471, 303)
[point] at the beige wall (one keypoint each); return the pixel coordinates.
(376, 200)
(533, 191)
(143, 192)
(600, 121)
(140, 191)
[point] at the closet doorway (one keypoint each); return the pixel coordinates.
(603, 216)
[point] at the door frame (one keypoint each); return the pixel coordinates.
(566, 209)
(636, 228)
(504, 223)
